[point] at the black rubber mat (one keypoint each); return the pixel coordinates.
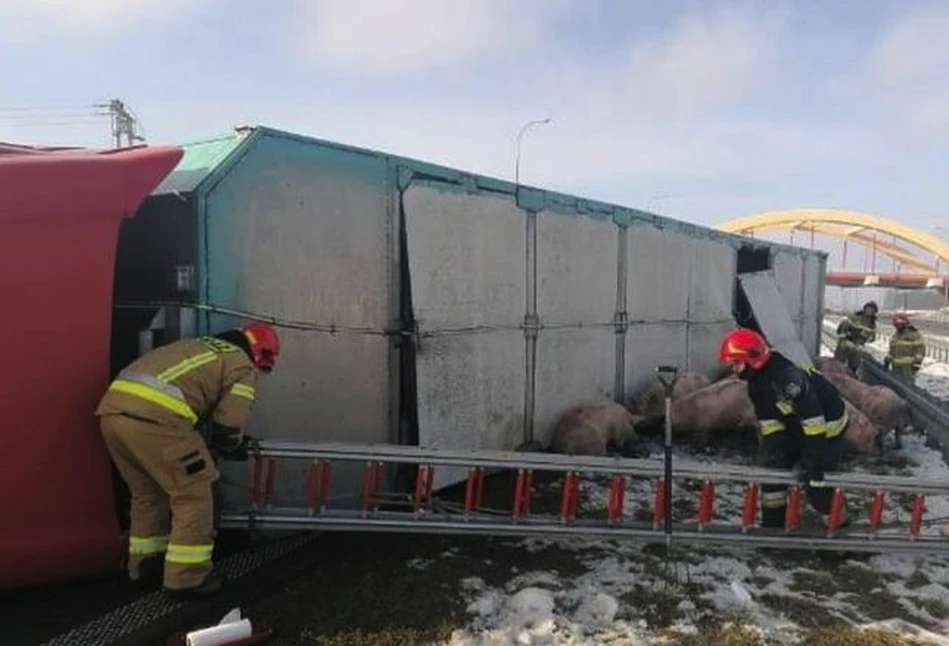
(150, 618)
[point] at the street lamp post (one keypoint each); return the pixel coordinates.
(520, 135)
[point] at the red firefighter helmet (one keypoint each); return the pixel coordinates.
(746, 346)
(900, 319)
(264, 344)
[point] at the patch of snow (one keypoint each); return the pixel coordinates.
(419, 564)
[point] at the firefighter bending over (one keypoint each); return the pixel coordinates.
(802, 417)
(150, 419)
(907, 349)
(855, 331)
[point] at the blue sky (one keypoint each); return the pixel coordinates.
(701, 110)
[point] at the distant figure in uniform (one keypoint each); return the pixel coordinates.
(150, 418)
(802, 418)
(855, 331)
(907, 349)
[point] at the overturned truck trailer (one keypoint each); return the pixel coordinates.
(426, 305)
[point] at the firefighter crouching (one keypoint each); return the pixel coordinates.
(855, 331)
(149, 419)
(907, 349)
(802, 418)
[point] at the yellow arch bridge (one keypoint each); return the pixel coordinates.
(921, 259)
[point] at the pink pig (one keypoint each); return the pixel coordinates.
(596, 428)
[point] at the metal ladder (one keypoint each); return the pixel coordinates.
(868, 534)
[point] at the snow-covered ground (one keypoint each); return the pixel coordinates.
(626, 594)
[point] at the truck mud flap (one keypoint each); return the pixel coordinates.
(769, 313)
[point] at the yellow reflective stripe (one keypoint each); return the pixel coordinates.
(817, 484)
(180, 368)
(773, 499)
(243, 390)
(837, 426)
(903, 361)
(785, 407)
(814, 426)
(156, 397)
(769, 426)
(189, 554)
(145, 546)
(219, 345)
(910, 342)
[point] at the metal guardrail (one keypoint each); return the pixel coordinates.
(934, 411)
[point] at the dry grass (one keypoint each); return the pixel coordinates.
(851, 636)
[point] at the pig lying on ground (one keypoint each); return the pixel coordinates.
(597, 428)
(880, 404)
(722, 406)
(726, 407)
(862, 435)
(652, 401)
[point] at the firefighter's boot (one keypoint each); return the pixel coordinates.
(151, 571)
(210, 586)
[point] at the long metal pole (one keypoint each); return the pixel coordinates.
(406, 522)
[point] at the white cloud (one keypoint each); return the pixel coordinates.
(905, 74)
(706, 62)
(381, 36)
(22, 21)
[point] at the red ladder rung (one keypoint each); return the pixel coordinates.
(916, 518)
(706, 504)
(836, 510)
(792, 516)
(568, 506)
(522, 493)
(750, 507)
(314, 478)
(877, 504)
(423, 485)
(472, 489)
(617, 498)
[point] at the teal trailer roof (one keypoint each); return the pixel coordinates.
(208, 160)
(201, 158)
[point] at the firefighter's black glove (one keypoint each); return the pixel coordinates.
(886, 362)
(242, 452)
(226, 440)
(916, 368)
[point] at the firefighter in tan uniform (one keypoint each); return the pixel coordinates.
(150, 418)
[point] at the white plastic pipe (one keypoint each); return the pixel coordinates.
(221, 635)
